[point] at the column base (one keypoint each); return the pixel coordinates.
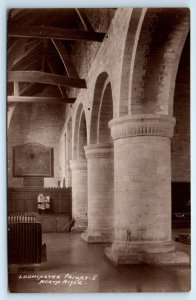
(80, 225)
(161, 258)
(96, 237)
(78, 229)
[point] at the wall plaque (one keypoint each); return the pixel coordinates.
(32, 159)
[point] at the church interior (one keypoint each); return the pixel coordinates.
(98, 150)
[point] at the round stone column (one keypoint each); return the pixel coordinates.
(100, 193)
(79, 194)
(142, 191)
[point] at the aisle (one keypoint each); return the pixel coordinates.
(79, 267)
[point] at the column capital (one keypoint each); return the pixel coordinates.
(142, 125)
(78, 164)
(99, 151)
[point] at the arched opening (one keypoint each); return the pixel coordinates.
(136, 20)
(105, 115)
(154, 68)
(82, 137)
(180, 150)
(80, 134)
(96, 107)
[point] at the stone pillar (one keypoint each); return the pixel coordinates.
(142, 191)
(100, 193)
(79, 194)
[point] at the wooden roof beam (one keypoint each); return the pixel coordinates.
(66, 60)
(48, 78)
(62, 89)
(85, 21)
(55, 33)
(16, 89)
(33, 99)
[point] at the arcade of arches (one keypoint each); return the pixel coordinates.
(126, 138)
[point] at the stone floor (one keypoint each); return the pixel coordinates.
(75, 266)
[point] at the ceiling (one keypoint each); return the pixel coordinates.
(39, 46)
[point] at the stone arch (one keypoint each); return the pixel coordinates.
(180, 146)
(102, 110)
(136, 20)
(180, 143)
(80, 133)
(153, 72)
(105, 115)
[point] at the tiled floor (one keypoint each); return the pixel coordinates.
(69, 258)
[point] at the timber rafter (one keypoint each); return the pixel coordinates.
(43, 77)
(33, 63)
(34, 99)
(55, 33)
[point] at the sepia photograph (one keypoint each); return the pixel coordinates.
(98, 150)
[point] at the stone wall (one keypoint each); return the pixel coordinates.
(35, 123)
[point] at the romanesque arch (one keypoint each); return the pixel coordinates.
(180, 144)
(153, 71)
(98, 90)
(105, 114)
(102, 110)
(136, 20)
(151, 57)
(80, 133)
